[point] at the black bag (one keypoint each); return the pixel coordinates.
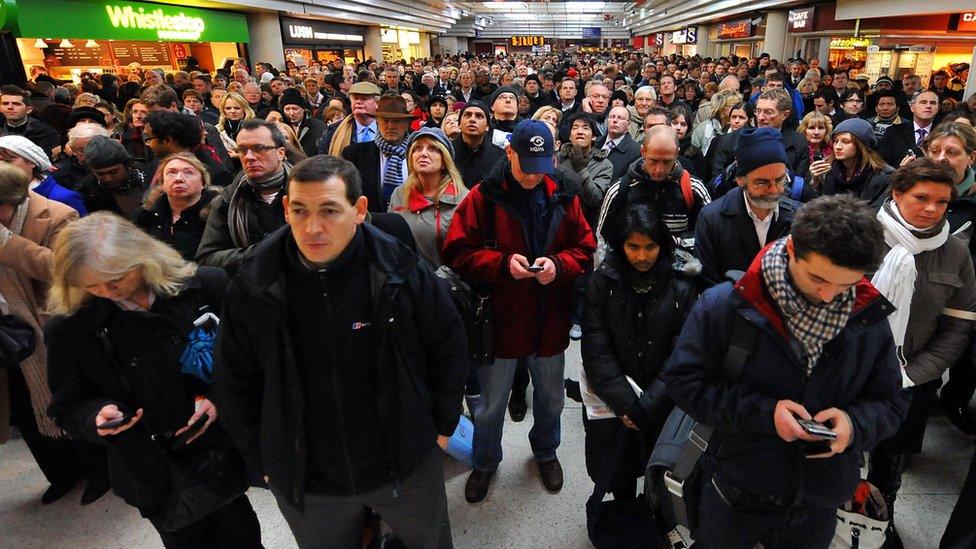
(676, 471)
(614, 524)
(474, 303)
(203, 482)
(16, 341)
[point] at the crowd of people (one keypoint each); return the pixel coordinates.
(241, 278)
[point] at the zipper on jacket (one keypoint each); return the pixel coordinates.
(335, 388)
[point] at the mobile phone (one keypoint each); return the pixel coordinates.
(817, 429)
(911, 153)
(818, 157)
(184, 437)
(113, 423)
(535, 268)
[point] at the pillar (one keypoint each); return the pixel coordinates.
(266, 43)
(424, 45)
(774, 42)
(373, 44)
(704, 44)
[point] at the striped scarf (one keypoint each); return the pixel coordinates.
(812, 324)
(393, 172)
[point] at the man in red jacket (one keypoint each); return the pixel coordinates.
(541, 242)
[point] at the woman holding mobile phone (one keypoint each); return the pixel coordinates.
(121, 372)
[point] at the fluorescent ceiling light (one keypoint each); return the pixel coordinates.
(40, 44)
(66, 44)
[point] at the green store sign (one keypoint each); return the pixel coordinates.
(119, 20)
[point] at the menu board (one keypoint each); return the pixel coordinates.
(77, 56)
(144, 53)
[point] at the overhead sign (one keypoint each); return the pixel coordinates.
(592, 32)
(965, 21)
(659, 40)
(801, 20)
(688, 35)
(526, 41)
(542, 49)
(308, 31)
(120, 20)
(735, 29)
(849, 43)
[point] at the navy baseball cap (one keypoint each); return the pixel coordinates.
(533, 143)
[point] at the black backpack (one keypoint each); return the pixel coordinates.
(676, 471)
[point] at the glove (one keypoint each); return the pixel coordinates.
(578, 159)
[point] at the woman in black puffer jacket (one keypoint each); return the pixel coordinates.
(635, 306)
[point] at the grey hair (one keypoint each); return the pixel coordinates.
(86, 131)
(646, 89)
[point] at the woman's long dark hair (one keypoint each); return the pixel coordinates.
(644, 219)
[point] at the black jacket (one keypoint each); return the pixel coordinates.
(420, 351)
(475, 164)
(309, 132)
(897, 140)
(629, 334)
(725, 235)
(42, 135)
(366, 158)
(184, 235)
(622, 155)
(797, 152)
(103, 355)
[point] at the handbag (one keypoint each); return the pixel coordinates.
(16, 341)
(862, 523)
(624, 523)
(203, 482)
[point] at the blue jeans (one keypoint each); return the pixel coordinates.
(547, 407)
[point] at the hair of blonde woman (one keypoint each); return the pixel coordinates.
(13, 184)
(963, 132)
(157, 189)
(807, 81)
(110, 246)
(239, 99)
(449, 171)
(721, 100)
(85, 97)
(457, 119)
(815, 119)
(548, 109)
(329, 115)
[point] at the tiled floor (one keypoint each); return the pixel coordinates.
(517, 513)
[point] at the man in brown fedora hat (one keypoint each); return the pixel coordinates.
(382, 162)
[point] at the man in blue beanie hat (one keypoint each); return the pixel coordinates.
(732, 230)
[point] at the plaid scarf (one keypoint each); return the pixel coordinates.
(812, 324)
(393, 172)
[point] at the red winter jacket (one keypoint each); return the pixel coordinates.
(529, 318)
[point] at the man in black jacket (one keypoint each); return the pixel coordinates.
(16, 106)
(308, 129)
(732, 230)
(382, 162)
(622, 150)
(340, 365)
(474, 154)
(899, 139)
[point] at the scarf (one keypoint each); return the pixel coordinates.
(896, 275)
(812, 324)
(967, 182)
(135, 181)
(236, 210)
(393, 172)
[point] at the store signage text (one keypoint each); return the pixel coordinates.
(685, 36)
(658, 40)
(966, 21)
(849, 43)
(526, 41)
(801, 20)
(167, 26)
(308, 33)
(737, 29)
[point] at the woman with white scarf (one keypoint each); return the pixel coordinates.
(927, 275)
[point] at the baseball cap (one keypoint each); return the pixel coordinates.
(532, 142)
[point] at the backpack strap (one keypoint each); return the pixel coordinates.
(686, 191)
(743, 339)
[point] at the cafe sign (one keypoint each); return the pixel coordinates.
(849, 43)
(527, 41)
(120, 20)
(801, 20)
(965, 21)
(735, 29)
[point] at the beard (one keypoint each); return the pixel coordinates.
(766, 202)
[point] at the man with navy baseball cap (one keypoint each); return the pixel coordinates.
(540, 242)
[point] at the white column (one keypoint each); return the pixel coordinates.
(373, 43)
(774, 42)
(266, 43)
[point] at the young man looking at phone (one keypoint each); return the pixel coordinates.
(823, 352)
(541, 242)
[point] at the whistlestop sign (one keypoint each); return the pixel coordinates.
(167, 27)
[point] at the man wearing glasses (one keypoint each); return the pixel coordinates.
(732, 230)
(249, 208)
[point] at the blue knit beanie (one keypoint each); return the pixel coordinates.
(758, 147)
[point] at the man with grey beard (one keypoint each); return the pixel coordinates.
(732, 230)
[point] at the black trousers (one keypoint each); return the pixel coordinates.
(959, 533)
(234, 526)
(958, 391)
(55, 457)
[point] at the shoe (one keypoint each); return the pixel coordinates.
(573, 390)
(56, 492)
(517, 407)
(476, 488)
(551, 473)
(94, 491)
(576, 332)
(959, 417)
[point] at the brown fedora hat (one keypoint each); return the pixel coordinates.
(392, 107)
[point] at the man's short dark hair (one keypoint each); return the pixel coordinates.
(584, 117)
(322, 167)
(841, 228)
(884, 93)
(835, 72)
(656, 111)
(160, 95)
(203, 78)
(334, 79)
(182, 128)
(922, 169)
(256, 123)
(10, 89)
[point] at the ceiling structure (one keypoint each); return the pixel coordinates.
(549, 19)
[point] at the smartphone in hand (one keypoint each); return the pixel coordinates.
(113, 423)
(817, 429)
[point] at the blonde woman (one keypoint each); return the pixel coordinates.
(126, 306)
(450, 125)
(815, 127)
(176, 210)
(85, 99)
(233, 111)
(293, 148)
(548, 114)
(432, 190)
(717, 124)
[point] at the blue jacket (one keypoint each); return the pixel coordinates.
(858, 373)
(49, 188)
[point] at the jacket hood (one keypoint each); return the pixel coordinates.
(869, 304)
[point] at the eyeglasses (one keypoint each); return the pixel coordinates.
(764, 185)
(148, 138)
(257, 149)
